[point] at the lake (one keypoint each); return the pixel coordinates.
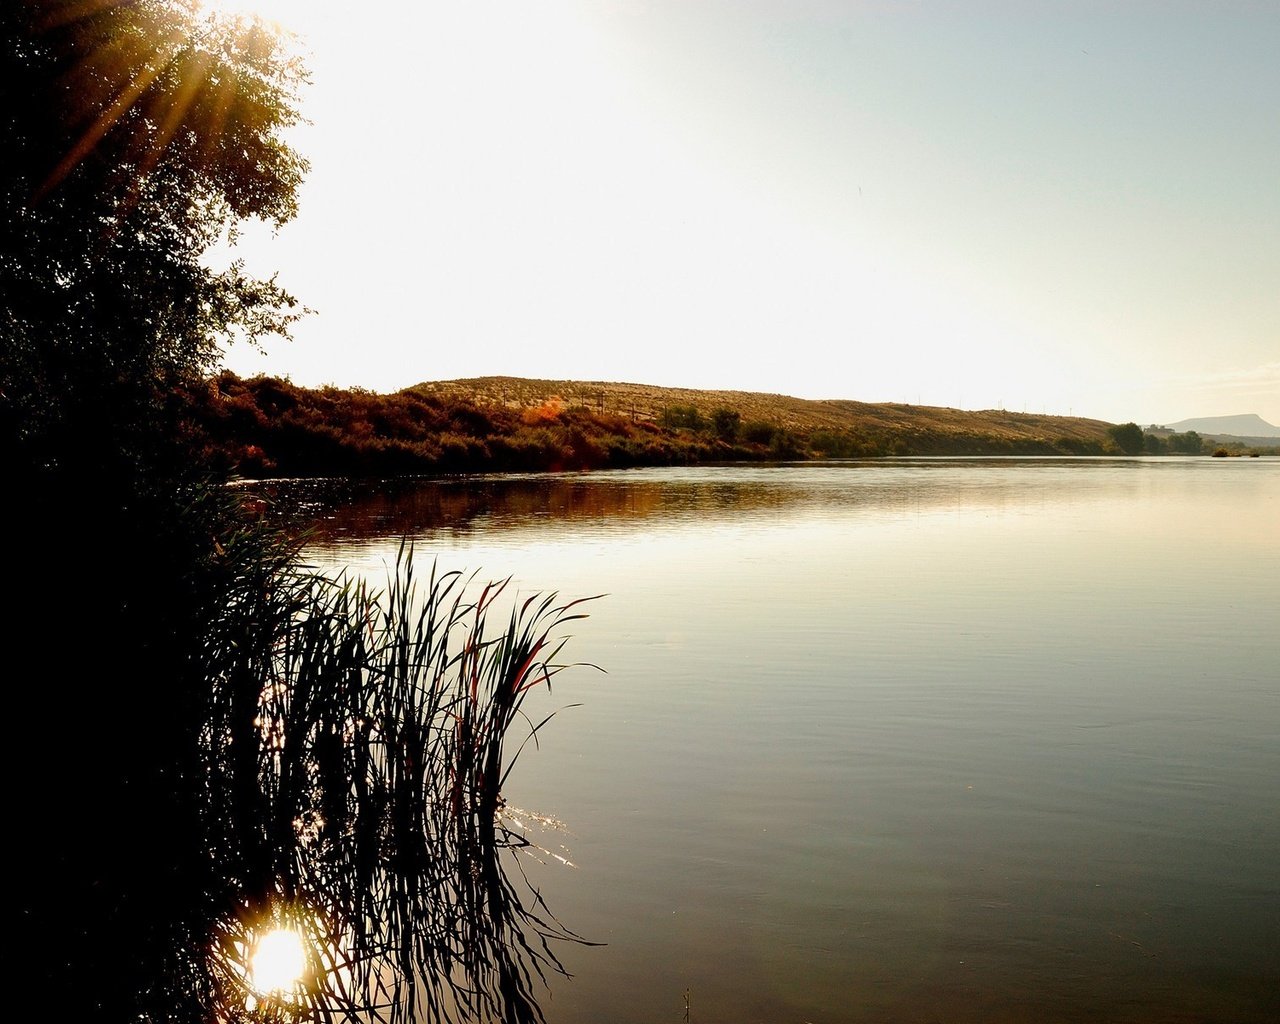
(936, 739)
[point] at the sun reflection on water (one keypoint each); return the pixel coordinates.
(275, 968)
(278, 962)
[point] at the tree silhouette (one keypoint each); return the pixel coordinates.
(136, 134)
(212, 739)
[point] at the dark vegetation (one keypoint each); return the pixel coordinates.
(208, 740)
(1162, 441)
(1130, 439)
(265, 426)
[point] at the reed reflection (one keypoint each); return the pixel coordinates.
(355, 757)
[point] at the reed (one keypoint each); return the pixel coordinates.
(352, 755)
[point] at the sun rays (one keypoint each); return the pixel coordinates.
(147, 85)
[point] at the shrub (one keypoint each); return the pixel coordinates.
(681, 417)
(725, 424)
(758, 432)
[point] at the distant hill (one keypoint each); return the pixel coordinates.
(1249, 425)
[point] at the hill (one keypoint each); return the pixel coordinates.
(267, 426)
(1247, 426)
(650, 402)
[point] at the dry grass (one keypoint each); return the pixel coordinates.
(647, 401)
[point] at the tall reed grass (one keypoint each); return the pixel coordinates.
(352, 755)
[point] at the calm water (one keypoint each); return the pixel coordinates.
(952, 740)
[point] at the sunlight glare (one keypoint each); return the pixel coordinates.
(278, 962)
(288, 14)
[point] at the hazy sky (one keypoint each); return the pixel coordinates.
(1066, 206)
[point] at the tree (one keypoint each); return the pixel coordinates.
(1127, 437)
(214, 738)
(136, 134)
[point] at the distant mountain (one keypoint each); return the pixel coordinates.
(1249, 425)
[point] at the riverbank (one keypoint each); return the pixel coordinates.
(267, 426)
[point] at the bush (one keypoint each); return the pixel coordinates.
(725, 424)
(681, 417)
(758, 432)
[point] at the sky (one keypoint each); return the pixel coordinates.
(1063, 206)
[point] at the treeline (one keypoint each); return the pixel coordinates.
(266, 426)
(1130, 439)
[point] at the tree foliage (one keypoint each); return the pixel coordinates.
(1127, 437)
(136, 134)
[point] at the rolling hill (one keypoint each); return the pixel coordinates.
(649, 401)
(265, 426)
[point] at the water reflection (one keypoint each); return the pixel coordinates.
(355, 757)
(338, 511)
(277, 962)
(988, 740)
